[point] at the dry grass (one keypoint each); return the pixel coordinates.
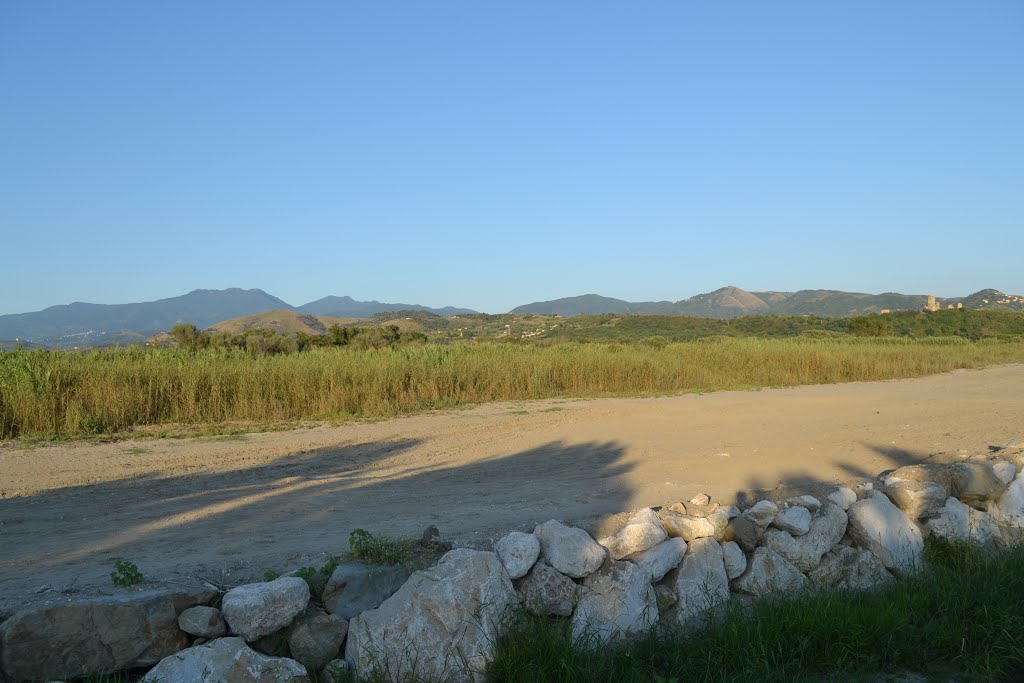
(62, 394)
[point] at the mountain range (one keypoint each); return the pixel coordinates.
(83, 324)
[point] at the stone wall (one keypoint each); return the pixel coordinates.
(676, 566)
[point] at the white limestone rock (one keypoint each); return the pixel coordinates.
(843, 498)
(446, 620)
(735, 560)
(762, 513)
(919, 499)
(700, 584)
(881, 527)
(1004, 471)
(202, 621)
(795, 520)
(826, 530)
(617, 601)
(642, 532)
(852, 569)
(569, 550)
(222, 660)
(769, 572)
(661, 559)
(259, 609)
(545, 591)
(959, 522)
(1009, 509)
(688, 527)
(518, 552)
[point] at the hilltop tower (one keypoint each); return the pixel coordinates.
(932, 304)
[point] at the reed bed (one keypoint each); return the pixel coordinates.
(58, 394)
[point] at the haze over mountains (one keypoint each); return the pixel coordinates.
(90, 324)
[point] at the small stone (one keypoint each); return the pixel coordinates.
(744, 532)
(762, 513)
(430, 535)
(569, 550)
(701, 499)
(688, 527)
(259, 609)
(795, 520)
(642, 532)
(809, 502)
(617, 601)
(545, 591)
(677, 507)
(769, 572)
(518, 552)
(316, 639)
(843, 498)
(735, 560)
(661, 559)
(202, 621)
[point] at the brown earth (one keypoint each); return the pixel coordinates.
(226, 509)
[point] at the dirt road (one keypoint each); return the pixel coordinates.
(229, 508)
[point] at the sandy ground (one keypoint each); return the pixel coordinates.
(226, 509)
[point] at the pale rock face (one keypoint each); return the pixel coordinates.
(355, 587)
(720, 520)
(1009, 509)
(316, 639)
(809, 502)
(518, 552)
(735, 560)
(569, 550)
(688, 527)
(225, 659)
(82, 637)
(1004, 471)
(642, 532)
(731, 511)
(547, 592)
(617, 601)
(202, 621)
(852, 569)
(661, 559)
(700, 584)
(795, 520)
(919, 499)
(843, 498)
(701, 499)
(446, 619)
(975, 483)
(762, 513)
(769, 572)
(826, 530)
(879, 526)
(742, 531)
(959, 522)
(933, 472)
(259, 609)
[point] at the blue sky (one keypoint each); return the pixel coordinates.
(492, 154)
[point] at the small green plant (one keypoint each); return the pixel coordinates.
(270, 575)
(125, 574)
(382, 550)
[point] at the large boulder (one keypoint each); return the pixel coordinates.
(617, 600)
(356, 587)
(937, 473)
(700, 584)
(545, 591)
(796, 520)
(959, 522)
(919, 499)
(223, 660)
(202, 621)
(661, 559)
(688, 527)
(769, 572)
(642, 532)
(975, 483)
(852, 569)
(96, 635)
(826, 530)
(517, 552)
(316, 639)
(881, 527)
(255, 610)
(1009, 509)
(443, 623)
(569, 550)
(735, 560)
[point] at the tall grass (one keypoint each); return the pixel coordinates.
(67, 394)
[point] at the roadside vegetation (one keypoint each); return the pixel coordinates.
(954, 622)
(57, 394)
